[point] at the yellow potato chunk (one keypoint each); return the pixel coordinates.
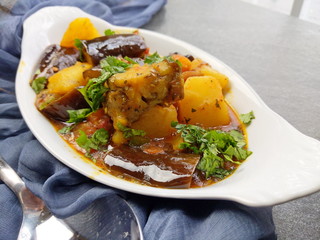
(209, 71)
(80, 28)
(156, 121)
(68, 78)
(203, 103)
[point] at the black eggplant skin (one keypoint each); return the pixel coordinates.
(177, 164)
(131, 45)
(57, 109)
(56, 58)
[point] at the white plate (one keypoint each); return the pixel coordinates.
(285, 164)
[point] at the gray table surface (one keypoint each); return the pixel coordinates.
(279, 56)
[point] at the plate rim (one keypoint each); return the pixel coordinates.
(172, 193)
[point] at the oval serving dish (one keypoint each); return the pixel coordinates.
(285, 164)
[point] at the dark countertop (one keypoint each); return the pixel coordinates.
(278, 55)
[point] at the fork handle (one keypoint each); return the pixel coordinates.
(11, 178)
(31, 205)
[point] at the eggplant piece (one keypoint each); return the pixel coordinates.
(57, 108)
(131, 45)
(56, 58)
(167, 169)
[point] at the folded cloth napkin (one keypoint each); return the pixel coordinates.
(67, 192)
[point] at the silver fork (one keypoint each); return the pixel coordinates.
(32, 206)
(99, 221)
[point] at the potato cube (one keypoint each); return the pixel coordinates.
(80, 28)
(206, 70)
(203, 103)
(156, 121)
(68, 78)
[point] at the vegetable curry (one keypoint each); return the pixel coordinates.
(156, 120)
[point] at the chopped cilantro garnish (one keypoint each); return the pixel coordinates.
(109, 32)
(130, 60)
(78, 115)
(170, 59)
(99, 139)
(78, 44)
(215, 148)
(39, 84)
(246, 118)
(94, 91)
(130, 132)
(153, 58)
(66, 129)
(113, 65)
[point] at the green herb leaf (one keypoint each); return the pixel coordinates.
(113, 65)
(78, 115)
(130, 132)
(215, 147)
(83, 141)
(109, 32)
(39, 84)
(66, 129)
(170, 59)
(78, 44)
(130, 60)
(154, 58)
(246, 118)
(238, 137)
(94, 91)
(99, 139)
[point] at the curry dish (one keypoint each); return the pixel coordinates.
(156, 120)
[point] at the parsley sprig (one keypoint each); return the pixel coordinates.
(78, 115)
(246, 118)
(109, 32)
(79, 45)
(155, 58)
(39, 84)
(130, 132)
(95, 89)
(99, 139)
(215, 148)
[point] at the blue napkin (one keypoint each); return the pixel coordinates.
(67, 192)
